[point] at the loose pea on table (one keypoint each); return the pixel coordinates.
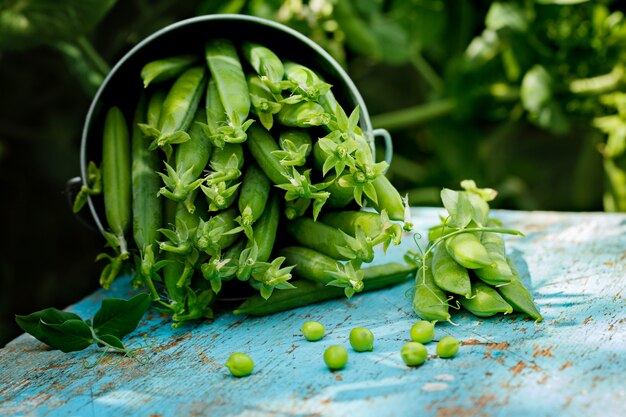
(571, 364)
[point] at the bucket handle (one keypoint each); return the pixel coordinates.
(388, 144)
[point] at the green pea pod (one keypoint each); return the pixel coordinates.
(178, 110)
(166, 68)
(449, 275)
(499, 273)
(305, 82)
(191, 159)
(212, 236)
(300, 138)
(260, 247)
(223, 268)
(518, 296)
(223, 61)
(147, 211)
(116, 177)
(296, 208)
(261, 146)
(226, 163)
(388, 198)
(255, 191)
(264, 103)
(308, 292)
(429, 301)
(179, 266)
(331, 241)
(485, 301)
(302, 114)
(266, 64)
(340, 196)
(376, 227)
(295, 147)
(266, 229)
(315, 266)
(467, 250)
(155, 106)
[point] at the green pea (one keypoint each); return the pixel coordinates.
(362, 339)
(413, 353)
(423, 331)
(447, 347)
(313, 330)
(336, 357)
(240, 364)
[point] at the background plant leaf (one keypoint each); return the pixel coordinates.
(28, 23)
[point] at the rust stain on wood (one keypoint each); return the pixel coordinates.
(55, 366)
(542, 352)
(566, 365)
(587, 320)
(521, 365)
(174, 342)
(543, 380)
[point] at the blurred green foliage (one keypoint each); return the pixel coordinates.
(522, 96)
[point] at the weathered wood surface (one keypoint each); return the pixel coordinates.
(572, 364)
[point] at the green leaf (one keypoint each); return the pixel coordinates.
(119, 317)
(58, 329)
(112, 340)
(25, 24)
(68, 336)
(536, 90)
(506, 16)
(32, 325)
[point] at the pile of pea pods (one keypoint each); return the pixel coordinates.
(466, 265)
(241, 175)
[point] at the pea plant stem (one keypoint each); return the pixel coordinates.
(95, 59)
(426, 71)
(413, 116)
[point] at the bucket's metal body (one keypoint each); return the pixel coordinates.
(122, 86)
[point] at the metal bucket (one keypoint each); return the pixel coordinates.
(122, 86)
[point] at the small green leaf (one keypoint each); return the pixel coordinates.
(119, 317)
(112, 340)
(506, 16)
(536, 91)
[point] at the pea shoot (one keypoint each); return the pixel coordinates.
(362, 339)
(312, 331)
(413, 353)
(239, 364)
(423, 331)
(447, 347)
(336, 357)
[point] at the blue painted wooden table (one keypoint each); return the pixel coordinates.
(571, 364)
